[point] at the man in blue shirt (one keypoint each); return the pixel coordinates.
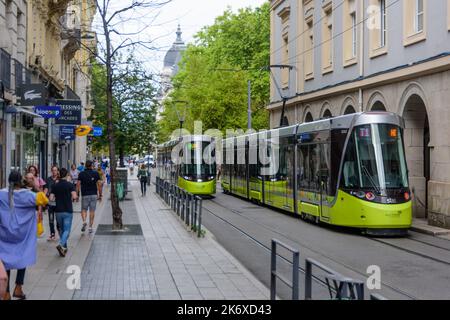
(81, 167)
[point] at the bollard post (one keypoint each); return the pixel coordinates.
(183, 204)
(308, 280)
(295, 285)
(200, 218)
(273, 266)
(188, 209)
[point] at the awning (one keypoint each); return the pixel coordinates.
(27, 111)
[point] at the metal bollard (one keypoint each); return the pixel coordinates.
(183, 197)
(200, 219)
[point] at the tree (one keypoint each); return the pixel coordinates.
(113, 20)
(134, 107)
(215, 69)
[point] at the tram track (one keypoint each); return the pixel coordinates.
(282, 235)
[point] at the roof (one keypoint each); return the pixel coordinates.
(173, 56)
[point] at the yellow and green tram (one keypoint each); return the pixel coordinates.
(189, 162)
(346, 171)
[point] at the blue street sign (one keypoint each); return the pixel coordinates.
(97, 132)
(67, 133)
(48, 112)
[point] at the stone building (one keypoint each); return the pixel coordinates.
(47, 43)
(364, 55)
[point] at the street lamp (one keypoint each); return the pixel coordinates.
(181, 113)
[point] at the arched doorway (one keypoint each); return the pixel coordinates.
(417, 138)
(308, 117)
(327, 114)
(349, 110)
(378, 106)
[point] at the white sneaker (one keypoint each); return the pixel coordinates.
(91, 230)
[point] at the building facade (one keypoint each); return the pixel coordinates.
(48, 43)
(365, 55)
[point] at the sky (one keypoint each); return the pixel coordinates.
(192, 15)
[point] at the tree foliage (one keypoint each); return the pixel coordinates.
(134, 107)
(214, 72)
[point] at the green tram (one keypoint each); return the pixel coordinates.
(194, 168)
(346, 171)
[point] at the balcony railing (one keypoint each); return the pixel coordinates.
(22, 76)
(5, 68)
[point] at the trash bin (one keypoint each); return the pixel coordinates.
(120, 191)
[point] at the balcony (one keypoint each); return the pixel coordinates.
(5, 69)
(70, 33)
(22, 76)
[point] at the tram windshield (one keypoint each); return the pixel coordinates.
(375, 159)
(198, 161)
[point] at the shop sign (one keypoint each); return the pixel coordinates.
(70, 112)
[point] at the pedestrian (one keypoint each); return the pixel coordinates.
(74, 173)
(108, 174)
(51, 181)
(39, 185)
(3, 280)
(142, 176)
(80, 168)
(18, 225)
(89, 186)
(101, 183)
(38, 181)
(63, 193)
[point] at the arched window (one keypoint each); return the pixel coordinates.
(349, 110)
(378, 106)
(309, 117)
(327, 114)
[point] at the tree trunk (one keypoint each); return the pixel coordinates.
(121, 156)
(116, 211)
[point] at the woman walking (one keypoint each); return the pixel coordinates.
(51, 181)
(143, 176)
(18, 224)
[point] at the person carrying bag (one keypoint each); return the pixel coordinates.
(143, 176)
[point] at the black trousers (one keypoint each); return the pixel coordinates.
(20, 277)
(143, 186)
(51, 220)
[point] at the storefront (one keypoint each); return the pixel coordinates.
(27, 143)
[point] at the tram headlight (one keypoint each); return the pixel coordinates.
(188, 178)
(407, 196)
(370, 196)
(199, 180)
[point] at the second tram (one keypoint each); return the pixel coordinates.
(347, 171)
(189, 162)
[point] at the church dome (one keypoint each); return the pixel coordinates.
(173, 56)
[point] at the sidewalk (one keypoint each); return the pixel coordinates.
(422, 226)
(156, 258)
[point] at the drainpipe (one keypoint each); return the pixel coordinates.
(361, 55)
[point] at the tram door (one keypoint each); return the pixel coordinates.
(323, 177)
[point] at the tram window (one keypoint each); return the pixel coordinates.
(350, 173)
(324, 171)
(338, 138)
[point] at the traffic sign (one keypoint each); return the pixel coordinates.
(97, 131)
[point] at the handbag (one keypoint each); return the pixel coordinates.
(40, 228)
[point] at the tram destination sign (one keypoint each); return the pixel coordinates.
(70, 112)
